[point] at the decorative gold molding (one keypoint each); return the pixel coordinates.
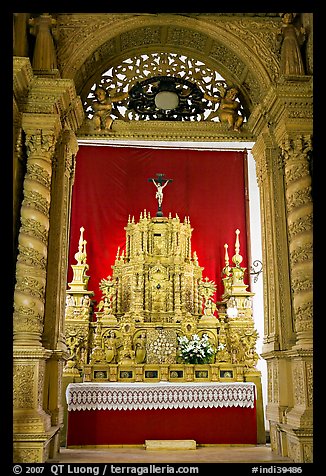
(169, 131)
(49, 106)
(99, 42)
(281, 109)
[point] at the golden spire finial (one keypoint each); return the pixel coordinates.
(237, 258)
(226, 270)
(80, 256)
(226, 256)
(81, 238)
(84, 252)
(237, 242)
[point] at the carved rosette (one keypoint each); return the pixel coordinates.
(296, 155)
(33, 237)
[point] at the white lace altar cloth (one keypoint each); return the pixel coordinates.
(143, 396)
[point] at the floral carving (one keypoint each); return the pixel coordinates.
(23, 394)
(34, 228)
(31, 286)
(37, 173)
(36, 200)
(31, 257)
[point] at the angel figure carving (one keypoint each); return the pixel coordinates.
(102, 119)
(229, 109)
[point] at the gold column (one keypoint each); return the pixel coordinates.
(22, 78)
(293, 132)
(278, 325)
(33, 235)
(58, 248)
(295, 153)
(298, 421)
(282, 154)
(43, 108)
(29, 297)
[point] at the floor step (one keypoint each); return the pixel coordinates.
(170, 444)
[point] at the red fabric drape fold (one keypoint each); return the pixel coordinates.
(112, 183)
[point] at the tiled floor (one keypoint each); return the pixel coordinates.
(209, 454)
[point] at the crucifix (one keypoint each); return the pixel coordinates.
(160, 183)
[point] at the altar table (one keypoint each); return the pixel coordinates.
(130, 413)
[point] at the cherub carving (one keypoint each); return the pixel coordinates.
(102, 107)
(229, 110)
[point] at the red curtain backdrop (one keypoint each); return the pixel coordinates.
(112, 183)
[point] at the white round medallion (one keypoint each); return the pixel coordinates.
(166, 100)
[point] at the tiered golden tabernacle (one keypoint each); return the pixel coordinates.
(155, 295)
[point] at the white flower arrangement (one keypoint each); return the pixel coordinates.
(196, 350)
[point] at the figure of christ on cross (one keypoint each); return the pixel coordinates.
(160, 183)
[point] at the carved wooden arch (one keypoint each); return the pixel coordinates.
(240, 50)
(293, 118)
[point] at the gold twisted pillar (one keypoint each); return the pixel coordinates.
(43, 108)
(296, 432)
(282, 155)
(29, 296)
(33, 235)
(295, 153)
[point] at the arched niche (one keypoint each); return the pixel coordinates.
(243, 51)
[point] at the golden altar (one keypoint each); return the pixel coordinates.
(156, 297)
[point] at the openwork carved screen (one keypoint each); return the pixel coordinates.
(137, 72)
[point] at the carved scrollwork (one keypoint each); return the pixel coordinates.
(31, 286)
(39, 174)
(44, 144)
(35, 229)
(31, 257)
(304, 253)
(299, 198)
(23, 392)
(35, 200)
(188, 78)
